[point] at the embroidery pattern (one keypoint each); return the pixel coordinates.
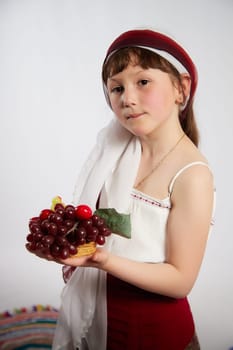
(150, 201)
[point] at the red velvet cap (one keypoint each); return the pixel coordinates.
(162, 45)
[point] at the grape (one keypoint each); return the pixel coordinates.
(61, 241)
(81, 232)
(61, 231)
(92, 230)
(92, 233)
(60, 211)
(100, 239)
(59, 206)
(56, 218)
(34, 220)
(70, 212)
(72, 249)
(45, 225)
(64, 253)
(37, 237)
(47, 240)
(81, 241)
(30, 237)
(105, 231)
(55, 250)
(39, 246)
(52, 228)
(86, 223)
(44, 214)
(97, 221)
(31, 245)
(69, 223)
(35, 228)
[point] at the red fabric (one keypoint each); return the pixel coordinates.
(140, 320)
(67, 272)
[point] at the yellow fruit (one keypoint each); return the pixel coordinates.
(55, 201)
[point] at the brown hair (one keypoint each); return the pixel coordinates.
(119, 60)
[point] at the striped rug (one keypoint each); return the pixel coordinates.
(28, 328)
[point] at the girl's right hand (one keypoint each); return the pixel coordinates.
(98, 259)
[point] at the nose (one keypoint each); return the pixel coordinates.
(128, 97)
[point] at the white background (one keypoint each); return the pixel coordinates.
(52, 105)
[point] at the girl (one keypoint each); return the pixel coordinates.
(132, 294)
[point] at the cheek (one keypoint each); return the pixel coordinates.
(116, 110)
(154, 101)
(160, 100)
(114, 102)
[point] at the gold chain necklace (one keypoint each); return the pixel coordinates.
(160, 162)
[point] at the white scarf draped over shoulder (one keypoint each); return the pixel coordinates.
(113, 163)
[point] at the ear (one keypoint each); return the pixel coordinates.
(183, 89)
(185, 85)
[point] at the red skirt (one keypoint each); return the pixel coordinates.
(140, 320)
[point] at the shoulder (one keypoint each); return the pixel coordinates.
(192, 169)
(193, 182)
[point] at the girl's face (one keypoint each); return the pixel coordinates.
(143, 99)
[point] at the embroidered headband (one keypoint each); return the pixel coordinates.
(163, 46)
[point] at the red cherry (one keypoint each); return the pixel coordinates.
(44, 214)
(83, 212)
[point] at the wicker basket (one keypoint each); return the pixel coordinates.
(85, 250)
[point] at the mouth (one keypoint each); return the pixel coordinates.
(134, 116)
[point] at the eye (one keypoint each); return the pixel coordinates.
(117, 89)
(143, 82)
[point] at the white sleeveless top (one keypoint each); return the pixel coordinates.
(148, 219)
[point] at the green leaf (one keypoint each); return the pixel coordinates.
(117, 222)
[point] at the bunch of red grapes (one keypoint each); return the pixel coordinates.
(61, 231)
